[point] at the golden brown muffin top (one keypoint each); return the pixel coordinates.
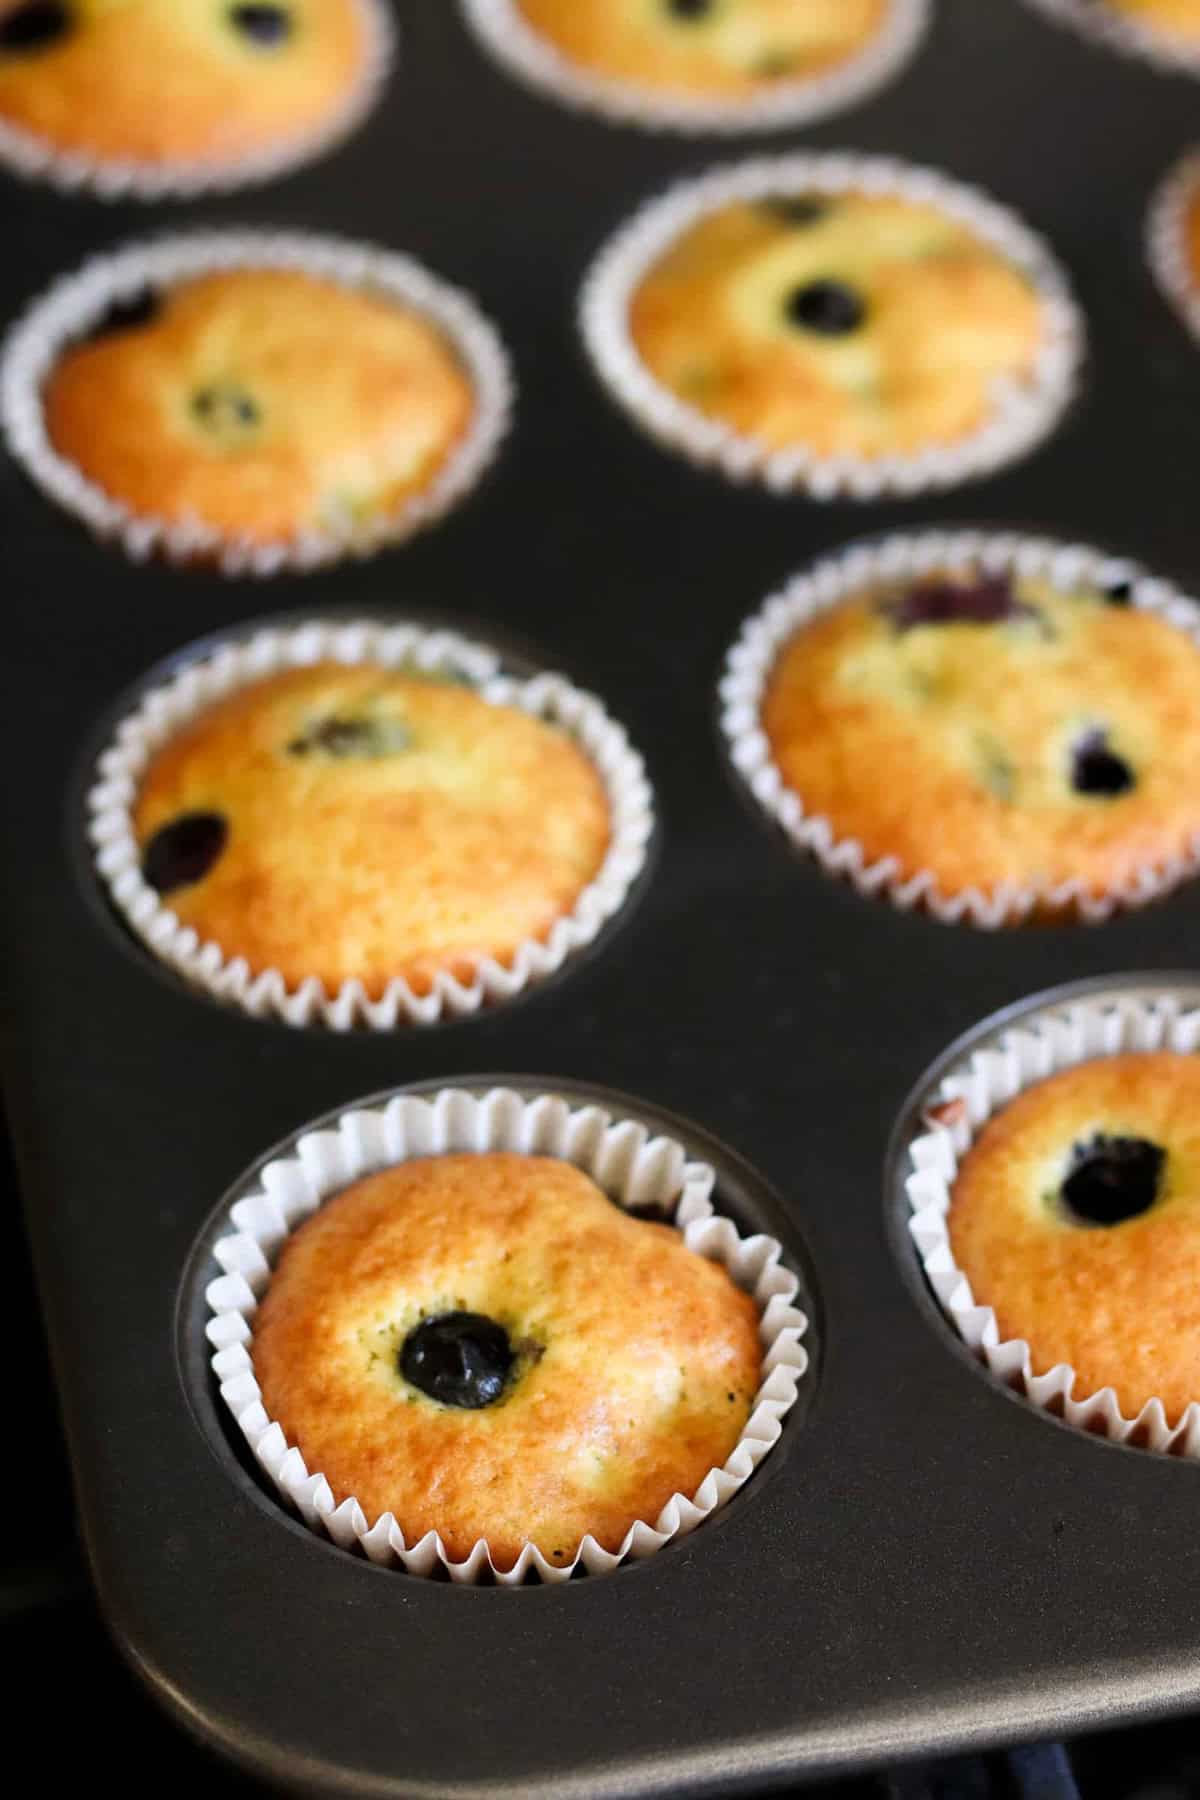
(993, 729)
(1076, 1217)
(1175, 18)
(1191, 234)
(845, 323)
(719, 48)
(177, 80)
(351, 822)
(623, 1369)
(263, 402)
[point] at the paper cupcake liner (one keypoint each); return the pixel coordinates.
(123, 178)
(78, 302)
(1163, 49)
(903, 558)
(1166, 239)
(506, 33)
(984, 1082)
(1024, 412)
(632, 1167)
(263, 992)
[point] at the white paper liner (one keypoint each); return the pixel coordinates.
(1164, 49)
(263, 992)
(984, 1083)
(1024, 411)
(623, 1159)
(77, 302)
(909, 557)
(508, 35)
(122, 178)
(1166, 239)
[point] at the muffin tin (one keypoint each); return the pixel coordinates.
(924, 1561)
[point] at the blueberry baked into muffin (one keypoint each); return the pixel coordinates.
(993, 730)
(264, 403)
(1075, 1216)
(848, 323)
(486, 1346)
(192, 82)
(716, 49)
(353, 823)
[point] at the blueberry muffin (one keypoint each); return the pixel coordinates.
(1076, 1217)
(993, 729)
(846, 324)
(265, 403)
(158, 82)
(485, 1346)
(350, 822)
(707, 49)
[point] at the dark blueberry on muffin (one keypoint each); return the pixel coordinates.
(182, 852)
(459, 1359)
(35, 25)
(1113, 1178)
(828, 307)
(1097, 769)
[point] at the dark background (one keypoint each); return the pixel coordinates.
(927, 1562)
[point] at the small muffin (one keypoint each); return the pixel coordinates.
(262, 402)
(162, 82)
(487, 1347)
(350, 822)
(993, 729)
(847, 324)
(719, 49)
(1076, 1217)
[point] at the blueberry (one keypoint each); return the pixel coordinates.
(1095, 769)
(127, 314)
(459, 1359)
(226, 409)
(183, 851)
(690, 10)
(352, 737)
(35, 25)
(262, 24)
(1113, 1178)
(827, 307)
(797, 209)
(985, 601)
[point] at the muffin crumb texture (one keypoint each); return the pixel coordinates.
(264, 403)
(994, 730)
(589, 1365)
(178, 81)
(719, 49)
(350, 822)
(847, 324)
(1076, 1217)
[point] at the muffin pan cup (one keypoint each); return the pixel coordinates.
(632, 1167)
(924, 1561)
(1103, 24)
(78, 302)
(910, 556)
(525, 53)
(180, 178)
(968, 1095)
(1022, 413)
(264, 992)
